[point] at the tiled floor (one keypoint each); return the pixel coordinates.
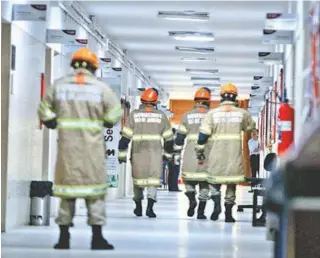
(171, 234)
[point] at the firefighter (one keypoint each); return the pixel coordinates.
(80, 106)
(192, 172)
(146, 128)
(225, 165)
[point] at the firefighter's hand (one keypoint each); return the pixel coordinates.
(168, 156)
(200, 153)
(51, 124)
(176, 158)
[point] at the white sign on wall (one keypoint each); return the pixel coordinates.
(71, 48)
(270, 58)
(61, 36)
(112, 138)
(105, 66)
(277, 37)
(281, 21)
(29, 12)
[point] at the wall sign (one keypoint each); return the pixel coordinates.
(61, 36)
(111, 138)
(270, 58)
(281, 21)
(105, 66)
(277, 37)
(71, 48)
(29, 12)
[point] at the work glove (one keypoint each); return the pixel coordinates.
(168, 156)
(51, 124)
(200, 153)
(177, 158)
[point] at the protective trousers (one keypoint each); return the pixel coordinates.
(203, 189)
(95, 207)
(138, 193)
(230, 196)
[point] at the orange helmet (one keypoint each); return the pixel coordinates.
(85, 54)
(228, 88)
(149, 96)
(202, 94)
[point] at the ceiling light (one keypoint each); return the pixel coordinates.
(208, 85)
(192, 35)
(184, 16)
(198, 50)
(205, 79)
(197, 59)
(202, 71)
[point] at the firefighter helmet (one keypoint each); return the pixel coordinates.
(228, 88)
(202, 94)
(149, 96)
(85, 54)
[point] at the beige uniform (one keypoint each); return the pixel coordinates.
(225, 161)
(147, 128)
(192, 172)
(81, 111)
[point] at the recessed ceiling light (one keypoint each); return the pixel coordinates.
(205, 78)
(197, 59)
(202, 71)
(184, 16)
(192, 35)
(198, 50)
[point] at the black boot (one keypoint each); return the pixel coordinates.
(64, 239)
(150, 213)
(98, 242)
(192, 203)
(201, 208)
(138, 210)
(217, 207)
(228, 213)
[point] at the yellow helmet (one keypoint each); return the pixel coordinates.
(228, 88)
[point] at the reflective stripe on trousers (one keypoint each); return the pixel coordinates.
(145, 182)
(194, 176)
(225, 179)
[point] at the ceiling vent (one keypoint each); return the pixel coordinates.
(184, 16)
(196, 50)
(192, 35)
(202, 71)
(198, 59)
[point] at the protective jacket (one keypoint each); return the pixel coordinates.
(189, 129)
(147, 128)
(223, 126)
(81, 106)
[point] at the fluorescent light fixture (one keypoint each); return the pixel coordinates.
(184, 16)
(208, 85)
(198, 50)
(195, 78)
(202, 71)
(192, 35)
(198, 59)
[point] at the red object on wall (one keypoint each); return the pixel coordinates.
(286, 135)
(42, 91)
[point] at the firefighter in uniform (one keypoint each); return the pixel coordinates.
(146, 128)
(192, 172)
(225, 165)
(80, 106)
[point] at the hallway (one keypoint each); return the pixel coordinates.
(172, 234)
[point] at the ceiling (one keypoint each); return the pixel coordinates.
(237, 28)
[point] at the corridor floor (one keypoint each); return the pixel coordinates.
(172, 234)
